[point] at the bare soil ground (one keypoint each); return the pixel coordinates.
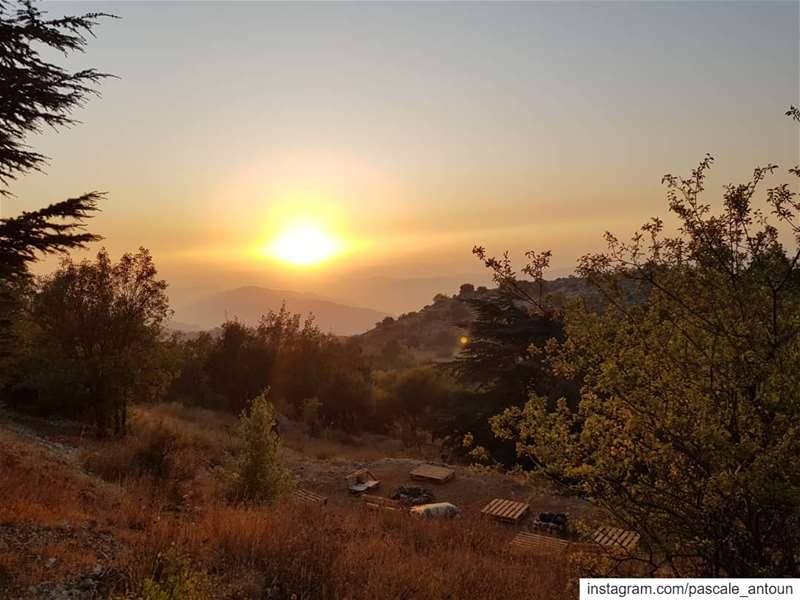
(470, 489)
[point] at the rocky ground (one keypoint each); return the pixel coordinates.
(43, 550)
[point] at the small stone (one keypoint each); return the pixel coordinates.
(50, 562)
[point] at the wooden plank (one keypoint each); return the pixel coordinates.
(522, 512)
(506, 510)
(309, 497)
(631, 540)
(500, 508)
(600, 536)
(518, 513)
(613, 536)
(432, 473)
(513, 511)
(381, 502)
(490, 508)
(371, 506)
(534, 543)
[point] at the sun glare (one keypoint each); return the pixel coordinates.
(304, 245)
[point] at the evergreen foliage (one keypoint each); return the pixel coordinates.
(35, 94)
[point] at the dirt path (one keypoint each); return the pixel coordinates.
(53, 435)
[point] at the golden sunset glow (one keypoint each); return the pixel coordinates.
(304, 245)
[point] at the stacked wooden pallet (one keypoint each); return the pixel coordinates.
(509, 511)
(534, 543)
(612, 537)
(309, 497)
(432, 473)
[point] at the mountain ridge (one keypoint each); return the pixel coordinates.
(248, 303)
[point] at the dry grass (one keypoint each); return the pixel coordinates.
(169, 456)
(35, 488)
(338, 447)
(159, 494)
(310, 552)
(329, 449)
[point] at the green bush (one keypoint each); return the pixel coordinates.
(175, 579)
(257, 475)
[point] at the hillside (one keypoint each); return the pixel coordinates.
(248, 304)
(147, 516)
(435, 331)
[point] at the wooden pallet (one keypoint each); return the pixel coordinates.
(509, 511)
(379, 502)
(611, 537)
(432, 473)
(534, 543)
(309, 497)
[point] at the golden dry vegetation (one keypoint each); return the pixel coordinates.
(146, 515)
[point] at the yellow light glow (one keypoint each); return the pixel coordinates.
(464, 340)
(304, 245)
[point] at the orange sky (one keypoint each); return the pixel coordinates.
(410, 131)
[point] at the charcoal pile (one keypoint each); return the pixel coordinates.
(412, 495)
(555, 523)
(557, 519)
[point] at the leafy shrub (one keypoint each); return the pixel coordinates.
(257, 475)
(146, 452)
(175, 579)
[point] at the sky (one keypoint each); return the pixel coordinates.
(411, 131)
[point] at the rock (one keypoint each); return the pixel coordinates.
(50, 562)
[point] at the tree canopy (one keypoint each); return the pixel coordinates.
(90, 344)
(687, 427)
(36, 94)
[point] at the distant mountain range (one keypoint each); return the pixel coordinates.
(248, 304)
(432, 331)
(395, 295)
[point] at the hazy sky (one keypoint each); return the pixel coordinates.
(413, 130)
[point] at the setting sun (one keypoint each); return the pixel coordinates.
(304, 245)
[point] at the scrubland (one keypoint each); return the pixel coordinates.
(146, 516)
